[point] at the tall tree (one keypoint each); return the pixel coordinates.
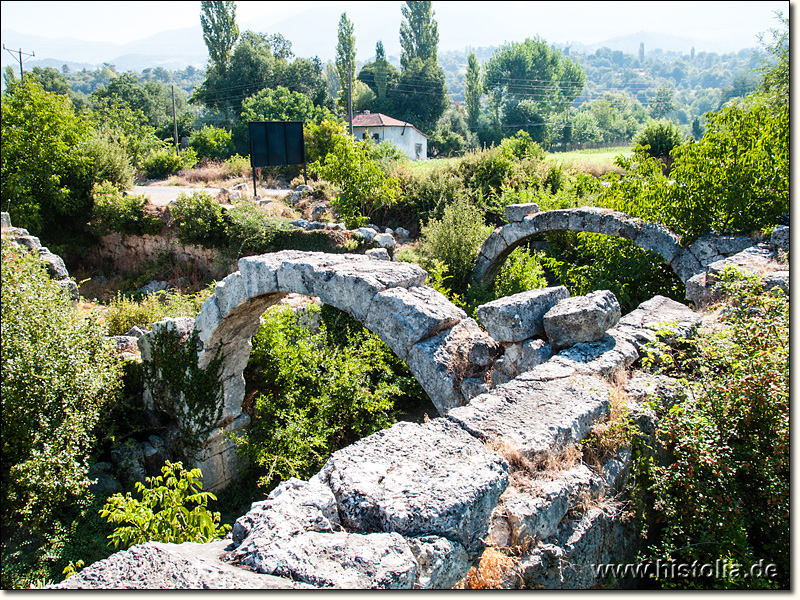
(473, 91)
(346, 51)
(419, 33)
(381, 71)
(530, 81)
(220, 31)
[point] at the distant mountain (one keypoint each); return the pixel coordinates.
(653, 41)
(310, 37)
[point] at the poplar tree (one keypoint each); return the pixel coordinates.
(346, 51)
(220, 31)
(419, 33)
(473, 91)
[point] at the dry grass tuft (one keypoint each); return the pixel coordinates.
(496, 570)
(543, 466)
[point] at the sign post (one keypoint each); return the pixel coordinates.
(276, 143)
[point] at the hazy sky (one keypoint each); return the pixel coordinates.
(491, 23)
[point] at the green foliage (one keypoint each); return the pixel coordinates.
(250, 230)
(46, 170)
(345, 52)
(58, 373)
(318, 391)
(419, 33)
(455, 240)
(200, 219)
(162, 163)
(279, 104)
(736, 177)
(124, 311)
(585, 262)
(212, 142)
(521, 146)
(186, 393)
(529, 81)
(124, 214)
(726, 493)
(363, 186)
(126, 128)
(173, 509)
(522, 271)
(660, 137)
(220, 31)
(321, 139)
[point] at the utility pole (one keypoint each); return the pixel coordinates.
(350, 95)
(175, 122)
(20, 53)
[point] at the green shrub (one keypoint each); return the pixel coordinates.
(200, 219)
(212, 142)
(250, 230)
(172, 510)
(521, 146)
(58, 373)
(162, 163)
(585, 262)
(238, 166)
(46, 171)
(124, 311)
(363, 186)
(110, 161)
(454, 241)
(318, 392)
(726, 493)
(660, 137)
(114, 211)
(522, 271)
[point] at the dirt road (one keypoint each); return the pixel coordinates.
(161, 195)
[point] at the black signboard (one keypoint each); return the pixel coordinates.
(275, 143)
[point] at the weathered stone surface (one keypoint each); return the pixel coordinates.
(5, 221)
(441, 563)
(536, 513)
(567, 560)
(658, 239)
(519, 317)
(606, 356)
(536, 416)
(517, 212)
(440, 362)
(378, 254)
(159, 566)
(640, 326)
(685, 264)
(581, 319)
(431, 479)
(756, 259)
(780, 237)
(524, 356)
(384, 240)
(296, 533)
(646, 386)
(778, 279)
(366, 232)
(402, 317)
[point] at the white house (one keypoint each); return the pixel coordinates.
(379, 127)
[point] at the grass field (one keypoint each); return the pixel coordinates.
(595, 161)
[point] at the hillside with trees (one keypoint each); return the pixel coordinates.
(73, 409)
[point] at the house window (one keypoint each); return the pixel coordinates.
(364, 136)
(418, 150)
(376, 137)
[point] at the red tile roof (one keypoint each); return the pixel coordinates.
(377, 120)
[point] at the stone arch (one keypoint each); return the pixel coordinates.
(527, 221)
(389, 298)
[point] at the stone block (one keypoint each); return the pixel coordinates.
(418, 480)
(581, 319)
(519, 317)
(402, 317)
(517, 212)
